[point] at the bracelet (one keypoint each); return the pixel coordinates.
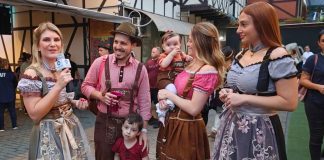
(144, 130)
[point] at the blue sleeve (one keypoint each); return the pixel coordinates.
(309, 64)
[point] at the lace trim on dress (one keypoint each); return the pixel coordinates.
(37, 78)
(33, 94)
(282, 57)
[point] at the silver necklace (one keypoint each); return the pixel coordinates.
(47, 67)
(257, 47)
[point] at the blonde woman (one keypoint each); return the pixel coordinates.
(57, 132)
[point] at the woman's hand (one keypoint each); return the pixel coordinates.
(223, 93)
(64, 78)
(109, 99)
(321, 89)
(234, 100)
(163, 94)
(81, 103)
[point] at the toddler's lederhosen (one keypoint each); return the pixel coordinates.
(166, 77)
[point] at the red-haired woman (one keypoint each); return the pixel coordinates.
(262, 80)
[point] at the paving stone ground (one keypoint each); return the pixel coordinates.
(14, 143)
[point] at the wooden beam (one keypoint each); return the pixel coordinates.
(141, 4)
(30, 30)
(58, 25)
(101, 5)
(185, 2)
(282, 10)
(153, 6)
(71, 39)
(173, 1)
(205, 2)
(240, 4)
(23, 42)
(12, 37)
(65, 2)
(4, 47)
(53, 17)
(73, 18)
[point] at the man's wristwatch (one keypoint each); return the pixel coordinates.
(144, 130)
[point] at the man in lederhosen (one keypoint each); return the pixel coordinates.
(120, 84)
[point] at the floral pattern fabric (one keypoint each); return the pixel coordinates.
(62, 137)
(246, 137)
(246, 132)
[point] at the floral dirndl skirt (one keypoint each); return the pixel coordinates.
(245, 136)
(59, 138)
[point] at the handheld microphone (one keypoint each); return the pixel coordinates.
(62, 62)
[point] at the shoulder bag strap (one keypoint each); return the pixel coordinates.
(315, 62)
(135, 86)
(44, 90)
(264, 76)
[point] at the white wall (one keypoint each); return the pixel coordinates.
(148, 6)
(6, 38)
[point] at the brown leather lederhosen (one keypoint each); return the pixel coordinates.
(166, 77)
(180, 125)
(108, 127)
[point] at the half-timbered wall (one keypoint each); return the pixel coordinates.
(285, 8)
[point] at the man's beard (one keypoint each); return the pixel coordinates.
(126, 55)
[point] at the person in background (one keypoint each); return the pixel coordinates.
(128, 147)
(213, 101)
(26, 62)
(152, 66)
(261, 81)
(8, 83)
(103, 49)
(57, 133)
(72, 86)
(17, 70)
(306, 54)
(312, 79)
(74, 68)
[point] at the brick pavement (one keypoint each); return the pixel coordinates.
(14, 143)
